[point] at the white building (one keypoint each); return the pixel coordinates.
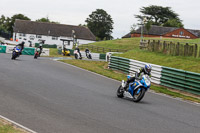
(34, 32)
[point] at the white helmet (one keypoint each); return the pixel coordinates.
(147, 68)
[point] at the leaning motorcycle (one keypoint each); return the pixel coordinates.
(136, 89)
(77, 55)
(37, 53)
(16, 52)
(88, 55)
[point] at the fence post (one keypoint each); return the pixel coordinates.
(177, 48)
(195, 50)
(186, 49)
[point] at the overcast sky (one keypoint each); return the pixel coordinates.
(75, 12)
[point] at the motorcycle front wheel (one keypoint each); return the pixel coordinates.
(137, 96)
(13, 56)
(120, 92)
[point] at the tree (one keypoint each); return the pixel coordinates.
(101, 24)
(158, 15)
(12, 21)
(46, 20)
(4, 23)
(133, 28)
(173, 23)
(43, 20)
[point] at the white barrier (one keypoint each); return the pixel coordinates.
(9, 48)
(45, 52)
(156, 70)
(94, 55)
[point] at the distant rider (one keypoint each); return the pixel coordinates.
(40, 47)
(78, 50)
(22, 46)
(145, 70)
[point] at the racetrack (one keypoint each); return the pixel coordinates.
(51, 97)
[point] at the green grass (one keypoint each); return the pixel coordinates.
(179, 62)
(8, 128)
(101, 68)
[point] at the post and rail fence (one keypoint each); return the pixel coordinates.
(171, 48)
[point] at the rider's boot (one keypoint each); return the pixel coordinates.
(125, 86)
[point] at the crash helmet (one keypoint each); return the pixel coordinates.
(147, 68)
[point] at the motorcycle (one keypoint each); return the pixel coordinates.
(37, 53)
(137, 89)
(16, 52)
(77, 55)
(66, 52)
(88, 55)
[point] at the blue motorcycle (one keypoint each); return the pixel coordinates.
(137, 89)
(16, 52)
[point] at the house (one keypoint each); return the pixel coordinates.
(51, 33)
(171, 32)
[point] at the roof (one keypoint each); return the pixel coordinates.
(195, 32)
(127, 35)
(52, 29)
(157, 30)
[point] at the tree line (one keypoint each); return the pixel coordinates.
(101, 23)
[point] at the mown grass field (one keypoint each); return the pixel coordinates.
(132, 44)
(102, 68)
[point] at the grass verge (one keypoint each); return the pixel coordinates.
(132, 44)
(102, 68)
(6, 127)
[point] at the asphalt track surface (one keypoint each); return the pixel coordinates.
(51, 97)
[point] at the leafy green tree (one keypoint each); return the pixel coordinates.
(4, 23)
(148, 26)
(101, 24)
(158, 15)
(43, 20)
(173, 23)
(10, 24)
(46, 20)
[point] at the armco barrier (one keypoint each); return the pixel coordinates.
(28, 51)
(181, 80)
(156, 70)
(119, 63)
(169, 77)
(9, 48)
(46, 45)
(2, 49)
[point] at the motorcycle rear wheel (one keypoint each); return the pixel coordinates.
(35, 57)
(120, 92)
(138, 97)
(76, 56)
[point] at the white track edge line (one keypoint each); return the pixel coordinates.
(17, 124)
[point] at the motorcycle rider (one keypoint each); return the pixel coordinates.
(40, 47)
(21, 45)
(87, 51)
(146, 70)
(78, 50)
